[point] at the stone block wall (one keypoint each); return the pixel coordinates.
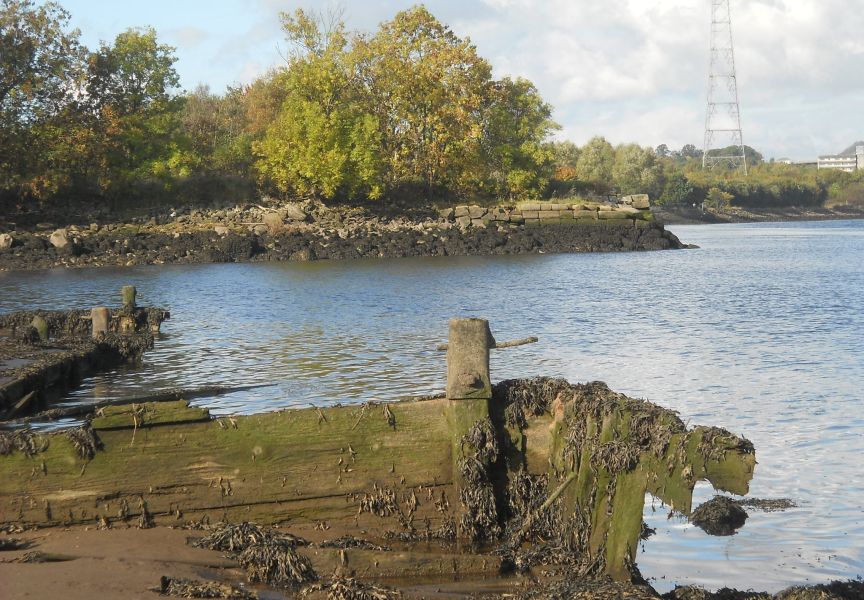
(626, 211)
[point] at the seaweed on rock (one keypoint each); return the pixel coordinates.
(235, 538)
(276, 564)
(188, 588)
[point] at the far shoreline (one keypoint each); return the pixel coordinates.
(696, 216)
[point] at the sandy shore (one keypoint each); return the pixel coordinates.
(117, 563)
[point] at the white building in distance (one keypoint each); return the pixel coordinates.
(849, 160)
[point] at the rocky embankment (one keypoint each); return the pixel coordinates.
(312, 231)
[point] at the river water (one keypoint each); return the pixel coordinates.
(761, 331)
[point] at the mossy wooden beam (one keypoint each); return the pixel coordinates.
(270, 459)
(131, 416)
(612, 467)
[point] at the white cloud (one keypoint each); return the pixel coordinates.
(638, 69)
(632, 70)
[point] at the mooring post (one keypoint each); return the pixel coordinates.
(41, 326)
(469, 388)
(100, 318)
(127, 314)
(468, 360)
(129, 292)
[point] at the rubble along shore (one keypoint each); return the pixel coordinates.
(312, 231)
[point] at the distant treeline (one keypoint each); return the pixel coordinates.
(409, 111)
(676, 178)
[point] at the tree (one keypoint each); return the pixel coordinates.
(133, 75)
(323, 142)
(718, 199)
(40, 73)
(516, 123)
(134, 112)
(216, 128)
(691, 151)
(662, 151)
(426, 87)
(636, 170)
(753, 157)
(595, 163)
(678, 191)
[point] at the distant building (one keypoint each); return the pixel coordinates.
(849, 160)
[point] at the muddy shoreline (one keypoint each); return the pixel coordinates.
(81, 563)
(696, 216)
(311, 232)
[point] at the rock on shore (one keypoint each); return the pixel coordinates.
(315, 233)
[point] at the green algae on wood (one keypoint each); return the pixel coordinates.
(230, 464)
(615, 449)
(399, 467)
(130, 416)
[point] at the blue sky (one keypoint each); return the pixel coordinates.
(631, 70)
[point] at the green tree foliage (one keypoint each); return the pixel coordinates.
(718, 199)
(410, 107)
(427, 88)
(217, 131)
(322, 142)
(40, 71)
(596, 160)
(753, 157)
(679, 191)
(134, 111)
(517, 162)
(637, 171)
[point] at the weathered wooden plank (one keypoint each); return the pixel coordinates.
(242, 461)
(132, 416)
(410, 566)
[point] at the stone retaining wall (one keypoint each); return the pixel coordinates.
(627, 210)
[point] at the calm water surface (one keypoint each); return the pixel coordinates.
(760, 331)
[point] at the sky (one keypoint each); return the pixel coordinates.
(629, 70)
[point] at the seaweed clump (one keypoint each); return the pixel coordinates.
(267, 556)
(527, 396)
(85, 441)
(22, 440)
(479, 452)
(719, 516)
(277, 565)
(235, 538)
(348, 588)
(188, 588)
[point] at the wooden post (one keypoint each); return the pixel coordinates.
(127, 315)
(468, 359)
(41, 326)
(469, 389)
(100, 318)
(129, 292)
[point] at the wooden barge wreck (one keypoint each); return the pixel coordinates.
(44, 353)
(484, 479)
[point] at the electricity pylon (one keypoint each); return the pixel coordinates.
(723, 114)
